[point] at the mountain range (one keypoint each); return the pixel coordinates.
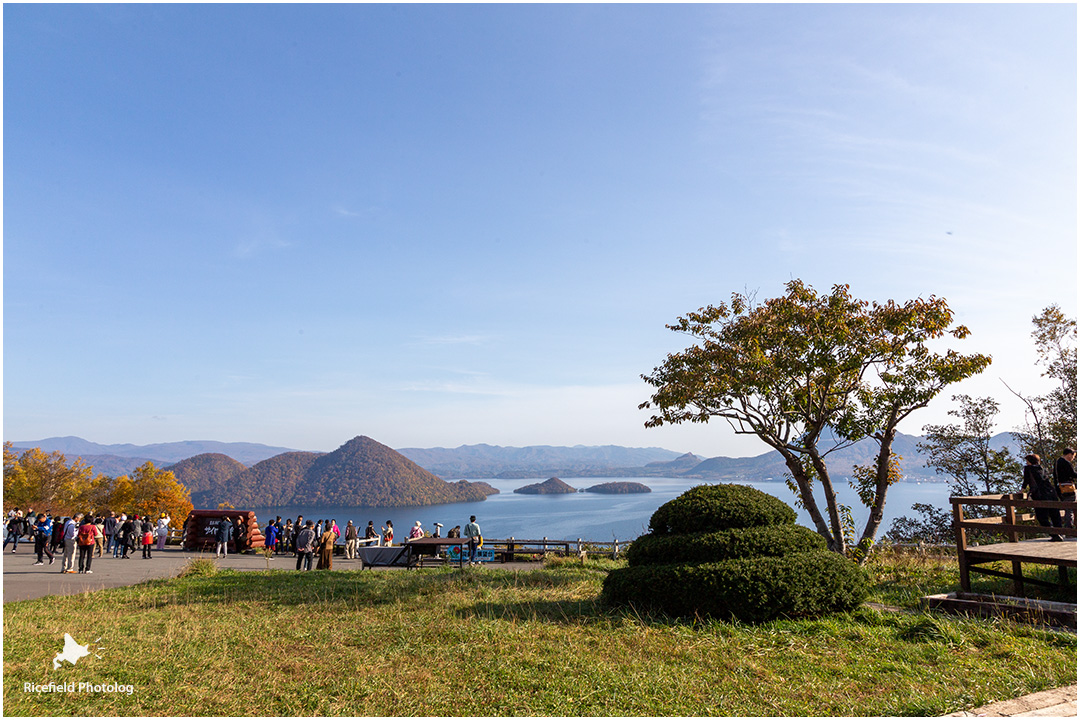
(485, 461)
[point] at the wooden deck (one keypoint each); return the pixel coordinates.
(1012, 524)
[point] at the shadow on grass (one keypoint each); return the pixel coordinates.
(330, 588)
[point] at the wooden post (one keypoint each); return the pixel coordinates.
(545, 545)
(961, 545)
(1013, 536)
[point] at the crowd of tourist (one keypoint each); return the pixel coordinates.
(82, 537)
(86, 536)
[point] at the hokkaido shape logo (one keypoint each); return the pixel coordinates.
(72, 652)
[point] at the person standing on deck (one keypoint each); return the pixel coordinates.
(370, 533)
(472, 531)
(1065, 478)
(388, 533)
(1039, 488)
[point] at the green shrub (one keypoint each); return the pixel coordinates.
(770, 540)
(757, 589)
(707, 508)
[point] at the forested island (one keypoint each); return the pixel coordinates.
(619, 488)
(551, 486)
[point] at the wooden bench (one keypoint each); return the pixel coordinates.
(1012, 524)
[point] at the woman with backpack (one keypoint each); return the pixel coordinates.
(86, 539)
(147, 537)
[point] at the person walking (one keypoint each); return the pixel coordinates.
(57, 540)
(147, 530)
(15, 530)
(110, 533)
(42, 534)
(472, 532)
(305, 545)
(135, 537)
(71, 531)
(224, 535)
(125, 535)
(1065, 478)
(86, 539)
(1039, 488)
(99, 540)
(352, 538)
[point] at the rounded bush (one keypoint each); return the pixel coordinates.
(756, 589)
(708, 508)
(770, 540)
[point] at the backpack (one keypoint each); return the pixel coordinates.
(87, 534)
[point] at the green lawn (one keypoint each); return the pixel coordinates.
(501, 643)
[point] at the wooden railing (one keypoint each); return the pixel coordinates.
(1013, 523)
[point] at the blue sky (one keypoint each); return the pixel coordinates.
(443, 225)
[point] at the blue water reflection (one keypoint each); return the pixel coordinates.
(590, 516)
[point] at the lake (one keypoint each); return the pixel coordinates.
(590, 516)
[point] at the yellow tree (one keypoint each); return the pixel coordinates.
(44, 481)
(150, 491)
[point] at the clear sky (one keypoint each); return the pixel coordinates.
(443, 225)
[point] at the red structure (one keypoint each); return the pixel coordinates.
(200, 530)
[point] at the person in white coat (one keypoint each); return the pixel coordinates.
(161, 532)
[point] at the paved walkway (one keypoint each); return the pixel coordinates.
(1059, 702)
(25, 581)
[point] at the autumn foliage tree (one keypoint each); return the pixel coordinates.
(36, 479)
(810, 374)
(46, 481)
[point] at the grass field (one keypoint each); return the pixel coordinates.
(491, 642)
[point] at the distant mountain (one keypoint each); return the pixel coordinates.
(493, 461)
(362, 472)
(114, 465)
(206, 476)
(162, 453)
(551, 486)
(683, 462)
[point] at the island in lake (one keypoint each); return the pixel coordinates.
(551, 486)
(619, 488)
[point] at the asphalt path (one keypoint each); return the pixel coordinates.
(25, 581)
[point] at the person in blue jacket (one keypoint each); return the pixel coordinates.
(42, 535)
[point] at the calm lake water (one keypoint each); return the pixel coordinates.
(590, 516)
